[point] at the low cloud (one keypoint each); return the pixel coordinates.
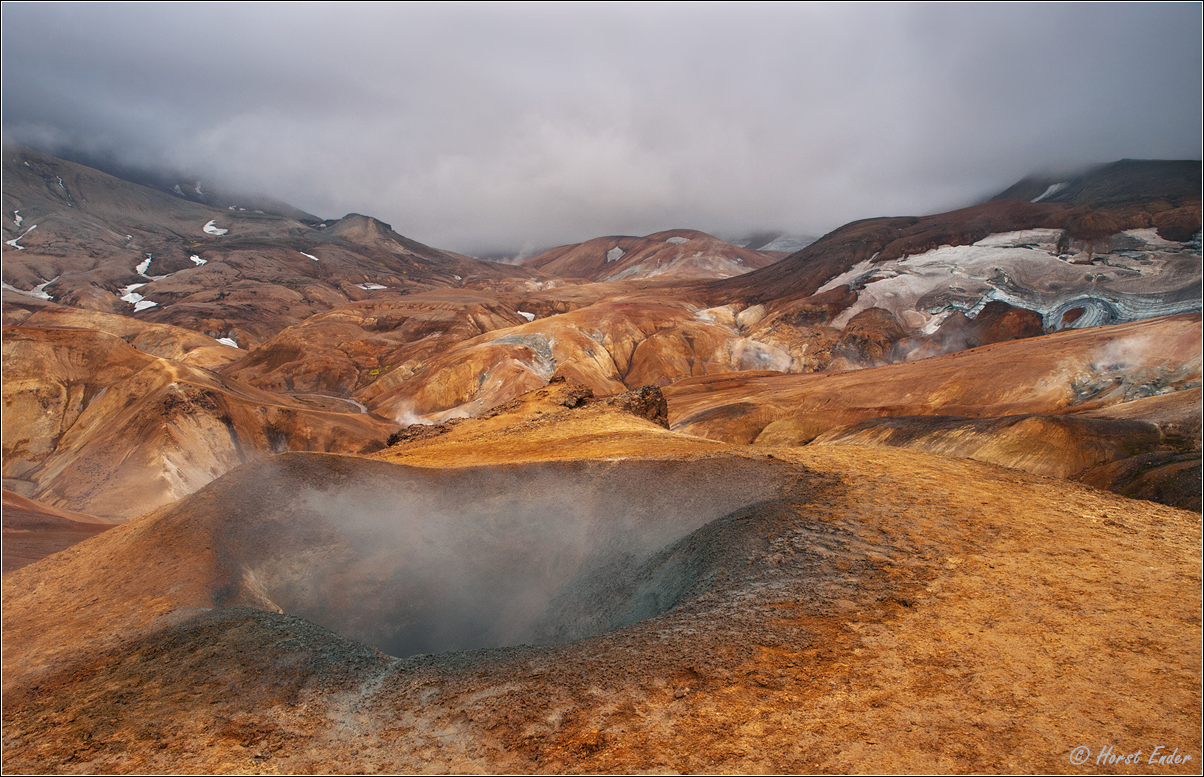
(490, 128)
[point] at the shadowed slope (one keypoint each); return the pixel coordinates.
(33, 530)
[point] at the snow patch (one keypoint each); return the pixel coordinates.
(13, 242)
(310, 256)
(178, 190)
(17, 217)
(142, 268)
(848, 277)
(677, 240)
(1053, 189)
(214, 230)
(198, 261)
(227, 341)
(370, 286)
(198, 189)
(1152, 239)
(9, 287)
(64, 188)
(37, 291)
(128, 294)
(1024, 269)
(526, 315)
(143, 305)
(615, 254)
(457, 277)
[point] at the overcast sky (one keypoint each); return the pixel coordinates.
(479, 127)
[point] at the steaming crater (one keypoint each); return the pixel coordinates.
(412, 560)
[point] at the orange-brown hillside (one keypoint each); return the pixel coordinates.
(677, 253)
(286, 495)
(720, 608)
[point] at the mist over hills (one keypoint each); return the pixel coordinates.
(619, 495)
(1126, 182)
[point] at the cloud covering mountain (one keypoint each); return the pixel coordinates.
(480, 128)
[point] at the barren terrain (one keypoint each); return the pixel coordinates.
(290, 494)
(864, 610)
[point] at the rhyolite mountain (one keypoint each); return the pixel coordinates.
(330, 317)
(676, 253)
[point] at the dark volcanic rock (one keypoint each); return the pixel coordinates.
(645, 402)
(1126, 182)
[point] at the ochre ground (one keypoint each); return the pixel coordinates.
(894, 612)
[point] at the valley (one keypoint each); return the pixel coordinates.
(291, 494)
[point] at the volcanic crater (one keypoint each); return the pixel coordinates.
(412, 560)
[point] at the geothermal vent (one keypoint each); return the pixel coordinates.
(412, 560)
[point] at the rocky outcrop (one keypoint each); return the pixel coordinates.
(645, 402)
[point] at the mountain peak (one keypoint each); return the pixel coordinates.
(359, 228)
(1116, 184)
